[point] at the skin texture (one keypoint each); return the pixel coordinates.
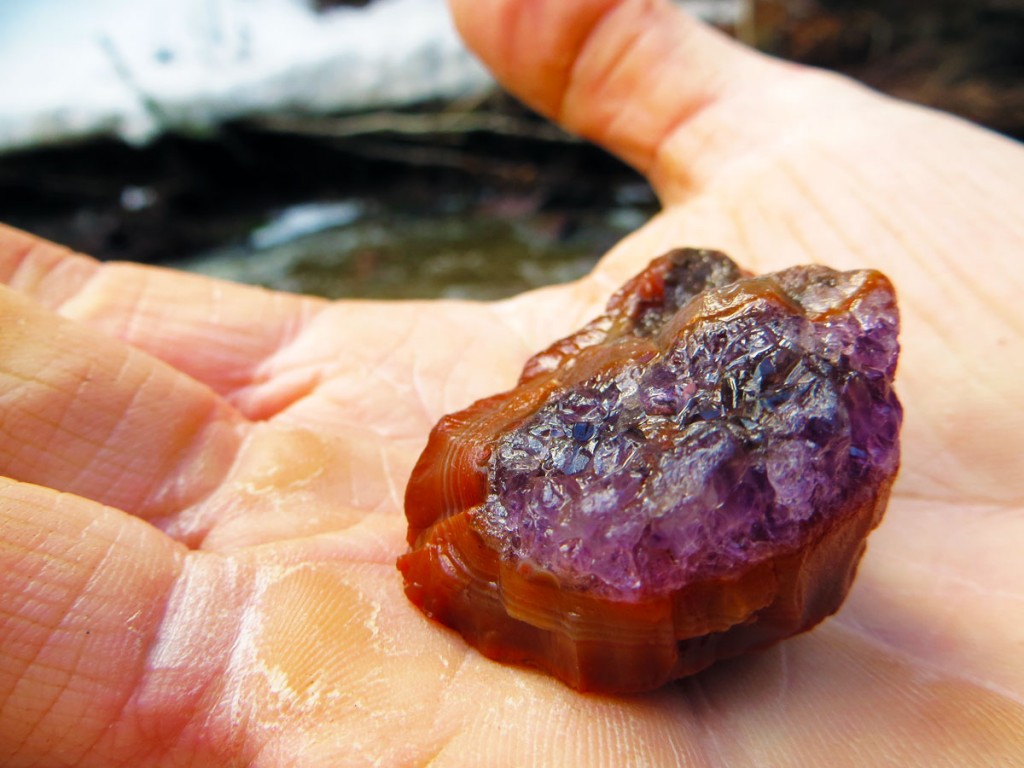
(200, 504)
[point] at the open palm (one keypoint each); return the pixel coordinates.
(201, 504)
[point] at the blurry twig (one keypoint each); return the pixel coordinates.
(414, 125)
(431, 156)
(418, 139)
(123, 71)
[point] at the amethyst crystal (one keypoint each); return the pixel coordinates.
(718, 452)
(709, 423)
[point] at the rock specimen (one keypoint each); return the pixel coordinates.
(690, 476)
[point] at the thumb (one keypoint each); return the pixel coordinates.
(627, 74)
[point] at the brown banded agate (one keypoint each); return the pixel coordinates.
(690, 476)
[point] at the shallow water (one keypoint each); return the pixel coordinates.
(458, 249)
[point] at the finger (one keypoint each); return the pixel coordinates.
(221, 334)
(83, 413)
(83, 589)
(265, 352)
(47, 272)
(627, 74)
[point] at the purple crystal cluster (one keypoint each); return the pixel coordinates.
(720, 451)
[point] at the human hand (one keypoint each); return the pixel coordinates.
(202, 503)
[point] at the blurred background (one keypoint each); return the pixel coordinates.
(355, 149)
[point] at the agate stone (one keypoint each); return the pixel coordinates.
(690, 476)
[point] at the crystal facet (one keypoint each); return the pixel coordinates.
(690, 476)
